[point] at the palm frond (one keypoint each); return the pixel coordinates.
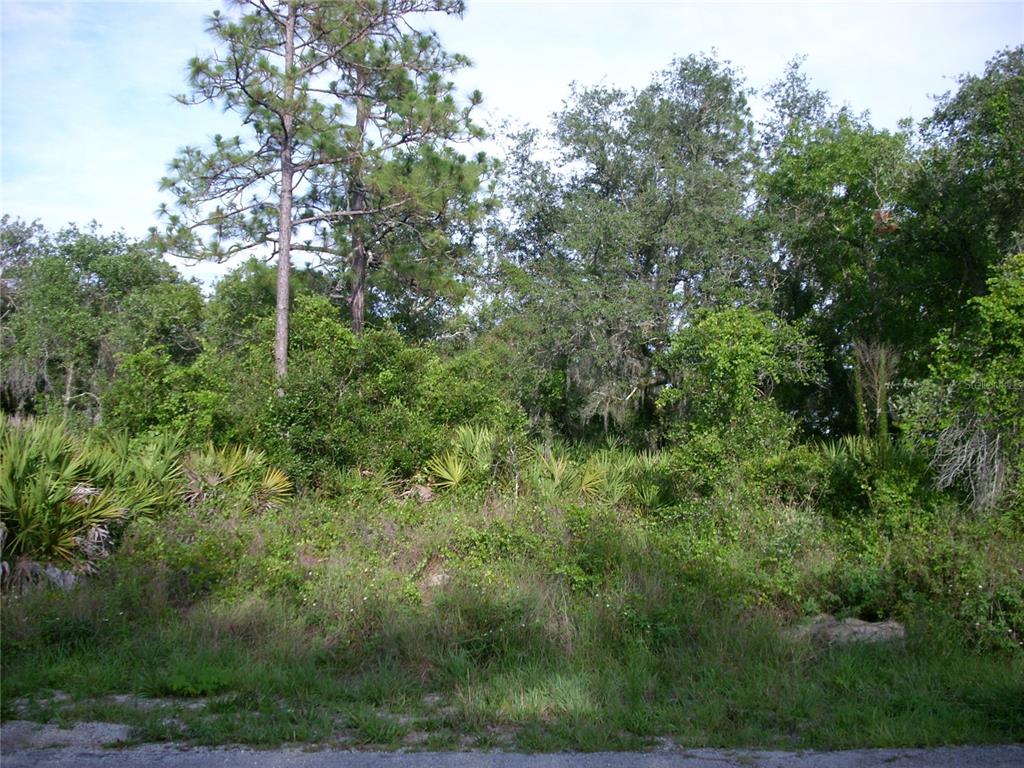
(476, 443)
(449, 469)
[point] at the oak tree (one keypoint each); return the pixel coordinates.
(640, 222)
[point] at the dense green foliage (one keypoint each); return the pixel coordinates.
(550, 617)
(713, 378)
(970, 411)
(373, 401)
(62, 499)
(73, 303)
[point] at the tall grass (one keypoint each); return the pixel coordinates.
(566, 610)
(528, 661)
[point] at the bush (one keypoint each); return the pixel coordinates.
(796, 474)
(234, 477)
(221, 536)
(62, 499)
(152, 393)
(724, 366)
(890, 480)
(372, 401)
(968, 414)
(964, 573)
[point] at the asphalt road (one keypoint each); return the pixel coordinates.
(163, 755)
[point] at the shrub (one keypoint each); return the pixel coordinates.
(550, 472)
(796, 474)
(146, 470)
(373, 401)
(963, 573)
(239, 477)
(152, 393)
(879, 477)
(606, 475)
(723, 368)
(51, 513)
(968, 414)
(61, 498)
(472, 456)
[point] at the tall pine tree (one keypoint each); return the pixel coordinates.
(347, 117)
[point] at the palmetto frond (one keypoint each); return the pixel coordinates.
(449, 469)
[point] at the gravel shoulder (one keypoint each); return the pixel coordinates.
(93, 745)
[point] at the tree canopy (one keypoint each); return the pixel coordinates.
(659, 265)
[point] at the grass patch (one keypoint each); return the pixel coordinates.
(523, 627)
(732, 683)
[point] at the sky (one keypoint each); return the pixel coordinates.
(89, 122)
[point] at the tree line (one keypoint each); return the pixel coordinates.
(660, 264)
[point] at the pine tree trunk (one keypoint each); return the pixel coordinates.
(284, 260)
(357, 302)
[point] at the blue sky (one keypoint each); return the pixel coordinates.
(89, 123)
